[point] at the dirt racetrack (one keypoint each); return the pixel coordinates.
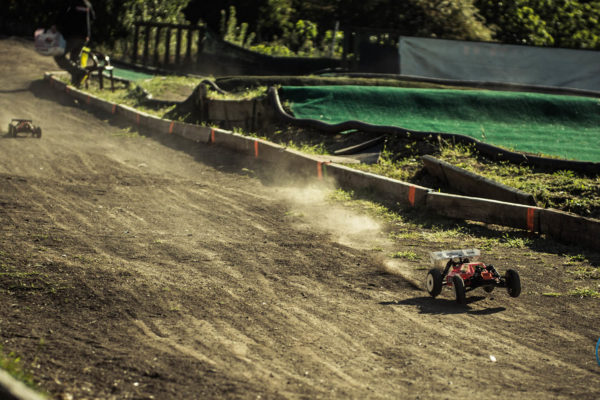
(139, 266)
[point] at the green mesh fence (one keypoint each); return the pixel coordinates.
(130, 75)
(563, 126)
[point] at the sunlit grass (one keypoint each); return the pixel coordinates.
(584, 293)
(407, 255)
(12, 364)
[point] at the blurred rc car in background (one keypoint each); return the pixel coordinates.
(17, 126)
(462, 272)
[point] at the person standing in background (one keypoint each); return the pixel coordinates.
(75, 24)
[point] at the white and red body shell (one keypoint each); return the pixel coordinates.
(466, 272)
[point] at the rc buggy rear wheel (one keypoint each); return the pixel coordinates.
(459, 289)
(433, 282)
(37, 132)
(513, 283)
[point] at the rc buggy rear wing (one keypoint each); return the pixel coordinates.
(439, 259)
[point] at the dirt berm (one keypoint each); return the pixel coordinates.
(135, 266)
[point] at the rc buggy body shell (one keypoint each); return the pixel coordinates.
(463, 272)
(17, 126)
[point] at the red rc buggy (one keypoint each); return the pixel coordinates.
(17, 126)
(464, 273)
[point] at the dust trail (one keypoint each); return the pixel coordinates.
(398, 268)
(313, 209)
(311, 205)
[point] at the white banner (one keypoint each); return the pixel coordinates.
(500, 63)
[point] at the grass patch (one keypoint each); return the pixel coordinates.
(564, 190)
(128, 132)
(167, 86)
(576, 259)
(406, 255)
(353, 200)
(406, 235)
(315, 149)
(11, 363)
(584, 293)
(515, 242)
(585, 272)
(388, 165)
(246, 94)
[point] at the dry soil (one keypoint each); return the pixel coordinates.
(137, 266)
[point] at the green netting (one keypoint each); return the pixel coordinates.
(563, 126)
(130, 75)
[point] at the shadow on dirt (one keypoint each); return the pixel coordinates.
(42, 89)
(14, 91)
(8, 136)
(429, 305)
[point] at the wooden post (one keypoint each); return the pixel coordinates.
(356, 50)
(335, 31)
(156, 45)
(201, 32)
(167, 47)
(178, 47)
(136, 35)
(146, 44)
(188, 55)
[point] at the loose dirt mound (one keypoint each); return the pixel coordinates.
(134, 266)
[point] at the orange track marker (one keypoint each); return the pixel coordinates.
(411, 195)
(531, 219)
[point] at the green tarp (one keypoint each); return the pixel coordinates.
(130, 75)
(563, 126)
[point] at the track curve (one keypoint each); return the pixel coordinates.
(135, 265)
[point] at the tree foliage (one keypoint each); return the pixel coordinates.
(298, 24)
(156, 10)
(114, 18)
(273, 18)
(561, 23)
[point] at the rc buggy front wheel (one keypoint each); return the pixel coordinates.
(433, 282)
(459, 289)
(513, 283)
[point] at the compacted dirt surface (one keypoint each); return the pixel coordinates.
(135, 266)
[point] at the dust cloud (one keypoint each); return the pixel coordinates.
(311, 207)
